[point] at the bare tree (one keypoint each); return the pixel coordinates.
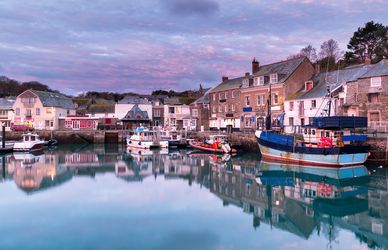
(310, 52)
(329, 49)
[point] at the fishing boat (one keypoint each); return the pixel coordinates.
(144, 138)
(216, 144)
(329, 141)
(30, 142)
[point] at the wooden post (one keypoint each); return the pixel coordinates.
(3, 139)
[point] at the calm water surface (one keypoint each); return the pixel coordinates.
(103, 197)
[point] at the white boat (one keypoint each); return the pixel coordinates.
(30, 142)
(174, 137)
(144, 138)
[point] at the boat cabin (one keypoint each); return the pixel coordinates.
(30, 137)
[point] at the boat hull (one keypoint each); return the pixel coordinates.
(146, 144)
(328, 160)
(27, 147)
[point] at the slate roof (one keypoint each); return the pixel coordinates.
(172, 101)
(205, 99)
(6, 103)
(52, 99)
(131, 115)
(339, 77)
(378, 69)
(284, 69)
(234, 83)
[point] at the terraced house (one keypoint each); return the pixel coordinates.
(42, 109)
(282, 79)
(225, 105)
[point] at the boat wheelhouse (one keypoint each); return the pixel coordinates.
(144, 138)
(329, 141)
(174, 137)
(29, 142)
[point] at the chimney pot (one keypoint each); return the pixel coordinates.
(225, 78)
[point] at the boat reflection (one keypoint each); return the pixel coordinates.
(300, 200)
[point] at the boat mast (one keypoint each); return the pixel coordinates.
(268, 118)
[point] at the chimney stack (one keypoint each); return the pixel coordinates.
(255, 66)
(367, 60)
(224, 78)
(246, 73)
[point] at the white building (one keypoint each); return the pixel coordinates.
(125, 105)
(6, 112)
(175, 113)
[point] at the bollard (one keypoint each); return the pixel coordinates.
(3, 139)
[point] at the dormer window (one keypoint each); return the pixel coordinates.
(273, 78)
(245, 83)
(308, 85)
(256, 81)
(261, 80)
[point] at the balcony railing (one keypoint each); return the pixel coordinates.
(379, 126)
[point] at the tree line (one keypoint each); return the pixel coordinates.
(370, 41)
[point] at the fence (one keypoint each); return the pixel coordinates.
(378, 126)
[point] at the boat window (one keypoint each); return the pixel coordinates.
(305, 131)
(342, 133)
(322, 134)
(26, 138)
(32, 138)
(335, 133)
(327, 134)
(313, 131)
(309, 131)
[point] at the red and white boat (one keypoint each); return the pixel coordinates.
(30, 142)
(216, 144)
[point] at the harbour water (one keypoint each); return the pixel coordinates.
(104, 197)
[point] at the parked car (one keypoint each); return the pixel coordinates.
(21, 128)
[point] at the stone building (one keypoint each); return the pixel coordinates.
(282, 79)
(368, 95)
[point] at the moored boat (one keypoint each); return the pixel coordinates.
(30, 142)
(216, 144)
(174, 137)
(329, 141)
(143, 138)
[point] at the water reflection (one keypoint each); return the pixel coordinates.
(301, 200)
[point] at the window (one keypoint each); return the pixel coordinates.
(245, 83)
(28, 112)
(47, 123)
(247, 100)
(308, 85)
(374, 116)
(220, 109)
(273, 78)
(232, 94)
(275, 99)
(291, 106)
(375, 82)
(171, 110)
(226, 108)
(17, 111)
(214, 109)
(156, 112)
(373, 98)
(51, 123)
(214, 97)
(233, 108)
(302, 121)
(37, 111)
(28, 100)
(195, 112)
(248, 121)
(313, 104)
(226, 95)
(258, 100)
(291, 121)
(256, 81)
(261, 80)
(48, 111)
(219, 96)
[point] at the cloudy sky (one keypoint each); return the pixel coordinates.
(117, 45)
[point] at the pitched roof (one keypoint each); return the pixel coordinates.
(378, 69)
(284, 68)
(228, 84)
(172, 101)
(52, 99)
(132, 114)
(6, 103)
(205, 99)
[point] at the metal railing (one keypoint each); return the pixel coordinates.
(378, 126)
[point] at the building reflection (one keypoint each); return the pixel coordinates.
(300, 200)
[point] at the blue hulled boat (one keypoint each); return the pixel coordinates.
(329, 141)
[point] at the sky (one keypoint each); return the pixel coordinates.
(140, 46)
